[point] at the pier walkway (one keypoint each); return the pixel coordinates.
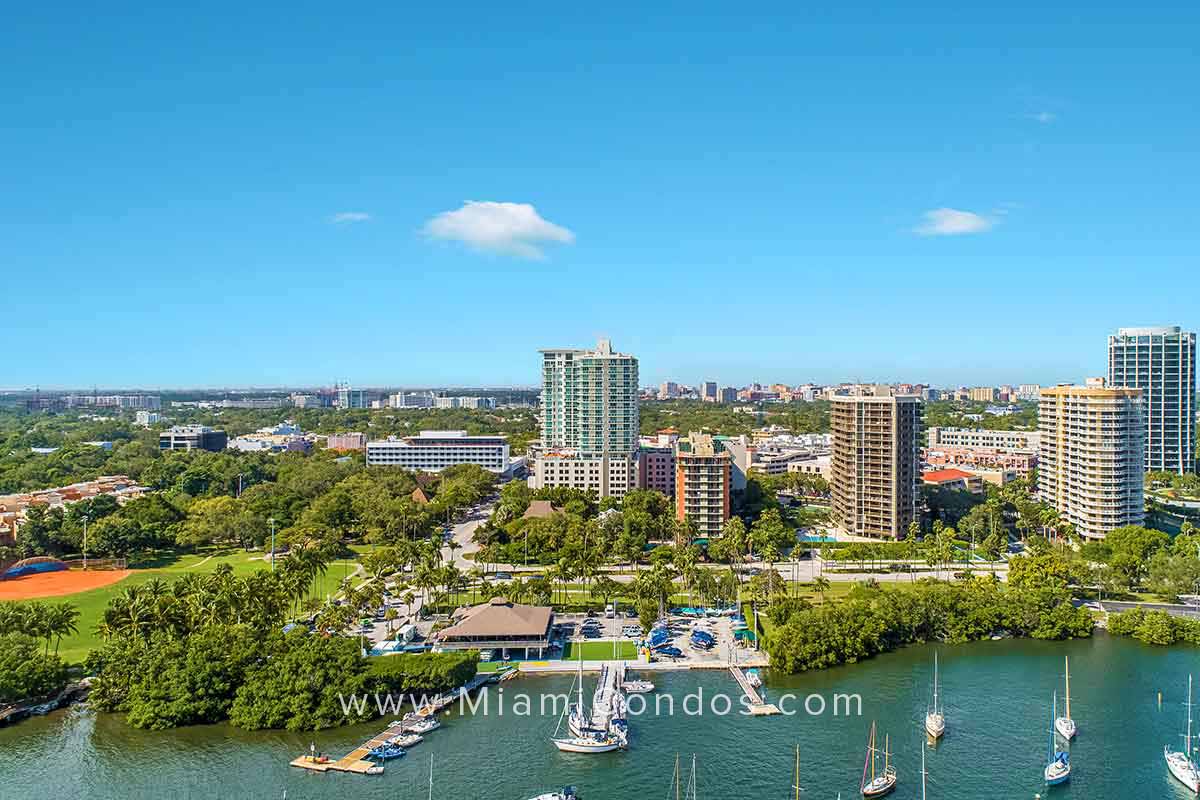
(758, 705)
(357, 760)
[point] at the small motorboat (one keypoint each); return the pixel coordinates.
(386, 752)
(565, 793)
(406, 740)
(422, 725)
(753, 678)
(374, 769)
(637, 687)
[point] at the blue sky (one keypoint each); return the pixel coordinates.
(262, 195)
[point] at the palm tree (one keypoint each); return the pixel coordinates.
(63, 621)
(821, 585)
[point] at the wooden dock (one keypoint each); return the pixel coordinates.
(357, 761)
(759, 707)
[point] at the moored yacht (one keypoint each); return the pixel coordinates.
(1180, 763)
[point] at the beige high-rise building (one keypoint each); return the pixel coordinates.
(875, 469)
(983, 394)
(1091, 457)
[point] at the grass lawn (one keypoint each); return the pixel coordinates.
(599, 651)
(91, 604)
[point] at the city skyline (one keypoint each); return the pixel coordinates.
(886, 194)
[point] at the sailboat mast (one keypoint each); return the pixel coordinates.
(922, 772)
(935, 682)
(1187, 741)
(870, 747)
(797, 786)
(431, 776)
(677, 776)
(1050, 741)
(1067, 674)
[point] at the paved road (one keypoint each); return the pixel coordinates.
(1173, 610)
(463, 533)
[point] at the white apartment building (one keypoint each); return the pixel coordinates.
(1091, 456)
(1005, 441)
(589, 418)
(1161, 362)
(434, 451)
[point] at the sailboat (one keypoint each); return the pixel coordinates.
(1058, 763)
(1181, 764)
(883, 782)
(935, 720)
(585, 741)
(566, 793)
(1065, 725)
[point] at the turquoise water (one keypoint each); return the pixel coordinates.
(997, 697)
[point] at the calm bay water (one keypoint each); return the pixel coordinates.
(997, 697)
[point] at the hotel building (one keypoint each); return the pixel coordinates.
(434, 451)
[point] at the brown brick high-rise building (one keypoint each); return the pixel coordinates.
(703, 482)
(875, 467)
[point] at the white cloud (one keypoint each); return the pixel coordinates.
(1044, 117)
(952, 222)
(349, 217)
(511, 228)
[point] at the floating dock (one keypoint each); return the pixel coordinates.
(356, 761)
(759, 707)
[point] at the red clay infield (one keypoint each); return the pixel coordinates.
(57, 584)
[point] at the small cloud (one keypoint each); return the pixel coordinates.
(952, 222)
(1044, 117)
(349, 217)
(514, 229)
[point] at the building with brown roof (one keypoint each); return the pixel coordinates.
(499, 624)
(540, 509)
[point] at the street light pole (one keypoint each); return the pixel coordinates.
(85, 522)
(272, 523)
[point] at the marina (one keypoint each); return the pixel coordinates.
(364, 759)
(998, 695)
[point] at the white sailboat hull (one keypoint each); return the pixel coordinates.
(880, 786)
(1065, 727)
(1183, 769)
(586, 745)
(935, 724)
(1057, 773)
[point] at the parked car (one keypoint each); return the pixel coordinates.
(503, 576)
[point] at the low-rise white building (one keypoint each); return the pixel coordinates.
(433, 451)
